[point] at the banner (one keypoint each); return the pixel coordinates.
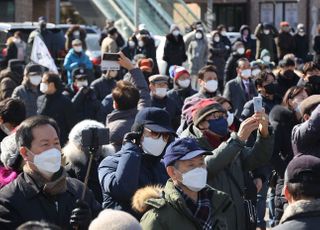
(40, 55)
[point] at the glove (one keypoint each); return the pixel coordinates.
(81, 215)
(133, 137)
(84, 90)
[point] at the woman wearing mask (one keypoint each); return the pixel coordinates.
(130, 50)
(138, 163)
(283, 118)
(197, 55)
(28, 91)
(75, 32)
(146, 46)
(217, 53)
(174, 49)
(230, 71)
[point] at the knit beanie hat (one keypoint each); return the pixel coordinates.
(176, 71)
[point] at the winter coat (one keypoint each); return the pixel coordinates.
(265, 41)
(305, 136)
(119, 123)
(7, 85)
(29, 96)
(22, 201)
(217, 53)
(60, 108)
(230, 71)
(123, 173)
(235, 92)
(74, 60)
(150, 51)
(174, 51)
(285, 83)
(301, 215)
(179, 95)
(232, 158)
(85, 102)
(12, 51)
(171, 107)
(197, 53)
(103, 86)
(282, 120)
(249, 43)
(70, 37)
(285, 44)
(302, 46)
(109, 45)
(168, 209)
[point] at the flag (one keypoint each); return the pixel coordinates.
(40, 55)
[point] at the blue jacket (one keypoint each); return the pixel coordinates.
(73, 60)
(122, 174)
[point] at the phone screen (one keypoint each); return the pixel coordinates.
(110, 57)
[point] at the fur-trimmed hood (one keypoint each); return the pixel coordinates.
(140, 198)
(301, 207)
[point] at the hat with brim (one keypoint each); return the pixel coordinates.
(159, 129)
(158, 78)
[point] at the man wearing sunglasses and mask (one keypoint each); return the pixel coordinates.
(186, 202)
(137, 164)
(311, 78)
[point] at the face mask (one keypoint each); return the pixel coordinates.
(5, 129)
(240, 50)
(195, 179)
(131, 44)
(47, 162)
(266, 32)
(76, 34)
(78, 49)
(82, 84)
(199, 36)
(230, 118)
(246, 73)
(256, 72)
(43, 87)
(140, 44)
(223, 33)
(216, 39)
(219, 126)
(211, 86)
(184, 83)
(161, 92)
(270, 88)
(176, 33)
(286, 29)
(266, 59)
(153, 146)
(35, 79)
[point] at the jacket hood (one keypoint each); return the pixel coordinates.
(171, 38)
(243, 27)
(140, 198)
(10, 156)
(301, 208)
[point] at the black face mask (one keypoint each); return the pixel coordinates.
(270, 88)
(313, 86)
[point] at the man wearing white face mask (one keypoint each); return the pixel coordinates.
(43, 190)
(185, 202)
(138, 163)
(241, 89)
(158, 85)
(230, 71)
(76, 58)
(82, 96)
(28, 91)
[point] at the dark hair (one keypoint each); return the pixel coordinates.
(243, 59)
(205, 69)
(38, 225)
(310, 66)
(18, 33)
(55, 79)
(302, 190)
(262, 77)
(112, 31)
(12, 111)
(221, 27)
(126, 95)
(24, 136)
(222, 100)
(290, 94)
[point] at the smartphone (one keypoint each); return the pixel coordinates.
(111, 57)
(95, 137)
(257, 104)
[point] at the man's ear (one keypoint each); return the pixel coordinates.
(306, 117)
(287, 194)
(23, 151)
(1, 120)
(171, 172)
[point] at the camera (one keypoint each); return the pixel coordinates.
(95, 137)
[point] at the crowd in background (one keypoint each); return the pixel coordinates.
(187, 150)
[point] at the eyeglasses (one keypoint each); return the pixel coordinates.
(149, 133)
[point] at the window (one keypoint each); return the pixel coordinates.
(7, 11)
(274, 13)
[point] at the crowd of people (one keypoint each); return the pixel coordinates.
(187, 149)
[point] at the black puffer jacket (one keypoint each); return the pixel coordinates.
(249, 43)
(230, 71)
(174, 51)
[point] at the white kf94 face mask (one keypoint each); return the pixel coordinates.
(47, 162)
(195, 179)
(153, 146)
(211, 86)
